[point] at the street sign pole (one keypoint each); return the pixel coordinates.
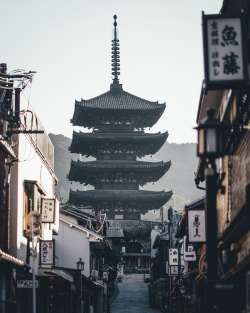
(33, 264)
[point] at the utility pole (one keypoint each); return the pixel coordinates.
(170, 218)
(162, 219)
(34, 222)
(34, 255)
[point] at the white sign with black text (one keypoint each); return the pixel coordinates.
(26, 283)
(47, 252)
(48, 210)
(173, 270)
(173, 254)
(196, 226)
(224, 49)
(189, 252)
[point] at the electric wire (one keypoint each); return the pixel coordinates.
(88, 220)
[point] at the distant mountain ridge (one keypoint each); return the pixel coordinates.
(179, 178)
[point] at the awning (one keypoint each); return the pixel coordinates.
(9, 258)
(55, 272)
(6, 148)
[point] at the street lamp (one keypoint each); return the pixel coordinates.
(210, 147)
(210, 137)
(80, 268)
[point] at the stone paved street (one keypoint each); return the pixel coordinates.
(133, 296)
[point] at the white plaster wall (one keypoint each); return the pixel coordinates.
(30, 166)
(71, 244)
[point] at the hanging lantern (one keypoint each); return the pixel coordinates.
(210, 137)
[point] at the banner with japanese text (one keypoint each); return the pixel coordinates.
(48, 210)
(47, 252)
(225, 51)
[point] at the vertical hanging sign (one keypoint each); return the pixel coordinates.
(225, 51)
(196, 225)
(173, 256)
(173, 270)
(48, 210)
(189, 253)
(47, 252)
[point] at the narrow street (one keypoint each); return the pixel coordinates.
(133, 296)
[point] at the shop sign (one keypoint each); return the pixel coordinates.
(173, 270)
(47, 252)
(196, 225)
(48, 210)
(189, 252)
(225, 51)
(173, 258)
(26, 283)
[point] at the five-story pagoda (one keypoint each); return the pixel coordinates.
(117, 119)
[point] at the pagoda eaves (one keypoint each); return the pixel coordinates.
(121, 200)
(116, 107)
(123, 172)
(93, 144)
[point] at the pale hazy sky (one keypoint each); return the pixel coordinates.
(68, 43)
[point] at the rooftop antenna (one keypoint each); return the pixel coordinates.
(115, 54)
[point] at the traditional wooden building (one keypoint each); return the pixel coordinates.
(118, 120)
(232, 107)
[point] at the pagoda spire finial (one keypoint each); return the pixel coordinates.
(115, 54)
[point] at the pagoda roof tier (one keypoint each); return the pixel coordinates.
(121, 200)
(140, 171)
(116, 107)
(94, 143)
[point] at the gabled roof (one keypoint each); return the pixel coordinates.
(63, 218)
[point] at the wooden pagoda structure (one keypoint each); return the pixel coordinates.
(118, 120)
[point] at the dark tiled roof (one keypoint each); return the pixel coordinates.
(124, 201)
(120, 195)
(92, 172)
(135, 136)
(99, 111)
(127, 224)
(92, 143)
(119, 100)
(119, 165)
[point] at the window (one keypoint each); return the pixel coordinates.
(33, 193)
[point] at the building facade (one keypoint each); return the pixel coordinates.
(27, 179)
(232, 107)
